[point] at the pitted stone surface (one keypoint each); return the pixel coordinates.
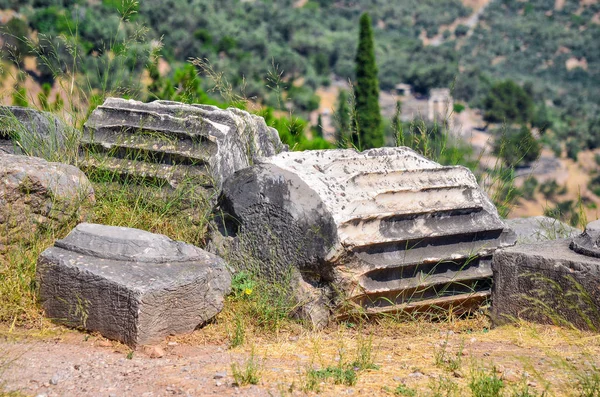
(130, 285)
(588, 243)
(388, 227)
(540, 228)
(40, 133)
(546, 282)
(172, 142)
(35, 193)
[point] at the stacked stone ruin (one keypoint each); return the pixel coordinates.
(171, 143)
(386, 228)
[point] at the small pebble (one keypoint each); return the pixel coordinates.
(54, 380)
(220, 375)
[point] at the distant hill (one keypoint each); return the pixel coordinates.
(551, 46)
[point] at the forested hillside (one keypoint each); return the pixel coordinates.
(549, 47)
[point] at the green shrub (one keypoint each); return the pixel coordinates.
(516, 147)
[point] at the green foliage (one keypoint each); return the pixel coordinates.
(124, 7)
(342, 118)
(185, 86)
(292, 131)
(458, 107)
(403, 390)
(485, 383)
(318, 129)
(541, 118)
(339, 376)
(550, 188)
(432, 67)
(247, 373)
(446, 359)
(516, 147)
(508, 102)
(304, 98)
(567, 211)
(594, 185)
(15, 35)
(529, 186)
(19, 97)
(588, 382)
(442, 387)
(432, 141)
(461, 30)
(573, 148)
(368, 116)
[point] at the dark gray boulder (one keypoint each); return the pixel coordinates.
(546, 282)
(173, 143)
(35, 133)
(130, 285)
(37, 194)
(387, 229)
(540, 228)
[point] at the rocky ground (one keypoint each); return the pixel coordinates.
(420, 356)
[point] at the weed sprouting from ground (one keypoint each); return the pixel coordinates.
(588, 382)
(403, 390)
(346, 370)
(248, 372)
(485, 383)
(443, 386)
(446, 359)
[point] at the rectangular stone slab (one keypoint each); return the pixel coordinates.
(130, 285)
(548, 283)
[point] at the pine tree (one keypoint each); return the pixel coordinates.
(370, 128)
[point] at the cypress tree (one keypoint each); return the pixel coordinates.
(368, 116)
(343, 119)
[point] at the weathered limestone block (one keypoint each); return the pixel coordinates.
(33, 132)
(540, 228)
(35, 193)
(386, 228)
(171, 142)
(547, 282)
(130, 285)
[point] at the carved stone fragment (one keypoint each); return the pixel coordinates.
(387, 229)
(130, 285)
(171, 143)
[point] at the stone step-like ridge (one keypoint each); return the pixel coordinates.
(376, 215)
(393, 286)
(170, 141)
(154, 173)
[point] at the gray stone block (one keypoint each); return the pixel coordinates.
(36, 194)
(130, 285)
(171, 142)
(535, 229)
(386, 228)
(548, 283)
(33, 132)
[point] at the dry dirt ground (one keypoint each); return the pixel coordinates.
(56, 361)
